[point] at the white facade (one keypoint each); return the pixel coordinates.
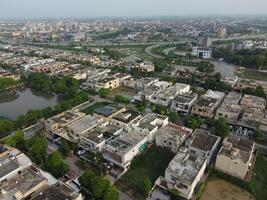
(202, 52)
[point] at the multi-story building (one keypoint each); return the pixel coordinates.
(203, 144)
(183, 102)
(172, 136)
(184, 173)
(230, 109)
(165, 97)
(236, 158)
(200, 52)
(208, 103)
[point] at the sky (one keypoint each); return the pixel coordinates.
(105, 8)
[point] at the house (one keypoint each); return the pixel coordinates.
(184, 173)
(109, 111)
(96, 138)
(164, 98)
(230, 109)
(236, 157)
(153, 89)
(253, 102)
(203, 144)
(125, 118)
(122, 149)
(58, 191)
(172, 136)
(23, 185)
(208, 103)
(149, 124)
(183, 102)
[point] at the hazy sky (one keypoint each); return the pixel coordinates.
(88, 8)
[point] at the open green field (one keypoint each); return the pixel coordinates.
(258, 182)
(91, 109)
(253, 75)
(123, 91)
(151, 164)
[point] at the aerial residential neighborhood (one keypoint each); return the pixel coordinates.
(133, 100)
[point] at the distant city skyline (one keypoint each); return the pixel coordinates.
(142, 8)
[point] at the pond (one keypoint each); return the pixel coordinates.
(16, 103)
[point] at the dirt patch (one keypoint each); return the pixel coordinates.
(223, 190)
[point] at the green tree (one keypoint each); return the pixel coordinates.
(6, 126)
(103, 92)
(146, 186)
(221, 128)
(111, 193)
(65, 148)
(38, 151)
(192, 122)
(55, 164)
(17, 140)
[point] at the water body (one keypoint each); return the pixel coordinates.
(17, 103)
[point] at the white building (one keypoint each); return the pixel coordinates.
(165, 97)
(184, 173)
(172, 136)
(204, 53)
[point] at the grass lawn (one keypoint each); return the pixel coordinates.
(91, 109)
(253, 75)
(151, 164)
(258, 182)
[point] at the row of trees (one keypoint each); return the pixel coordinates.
(248, 58)
(98, 188)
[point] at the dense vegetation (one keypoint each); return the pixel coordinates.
(95, 187)
(6, 83)
(247, 58)
(67, 86)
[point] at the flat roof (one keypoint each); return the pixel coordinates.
(174, 131)
(59, 191)
(8, 164)
(127, 116)
(185, 167)
(203, 140)
(107, 110)
(22, 183)
(237, 148)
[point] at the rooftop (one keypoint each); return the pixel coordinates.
(237, 148)
(203, 140)
(185, 98)
(84, 123)
(127, 116)
(185, 167)
(173, 131)
(8, 164)
(21, 184)
(58, 191)
(108, 110)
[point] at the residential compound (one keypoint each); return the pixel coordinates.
(21, 179)
(236, 158)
